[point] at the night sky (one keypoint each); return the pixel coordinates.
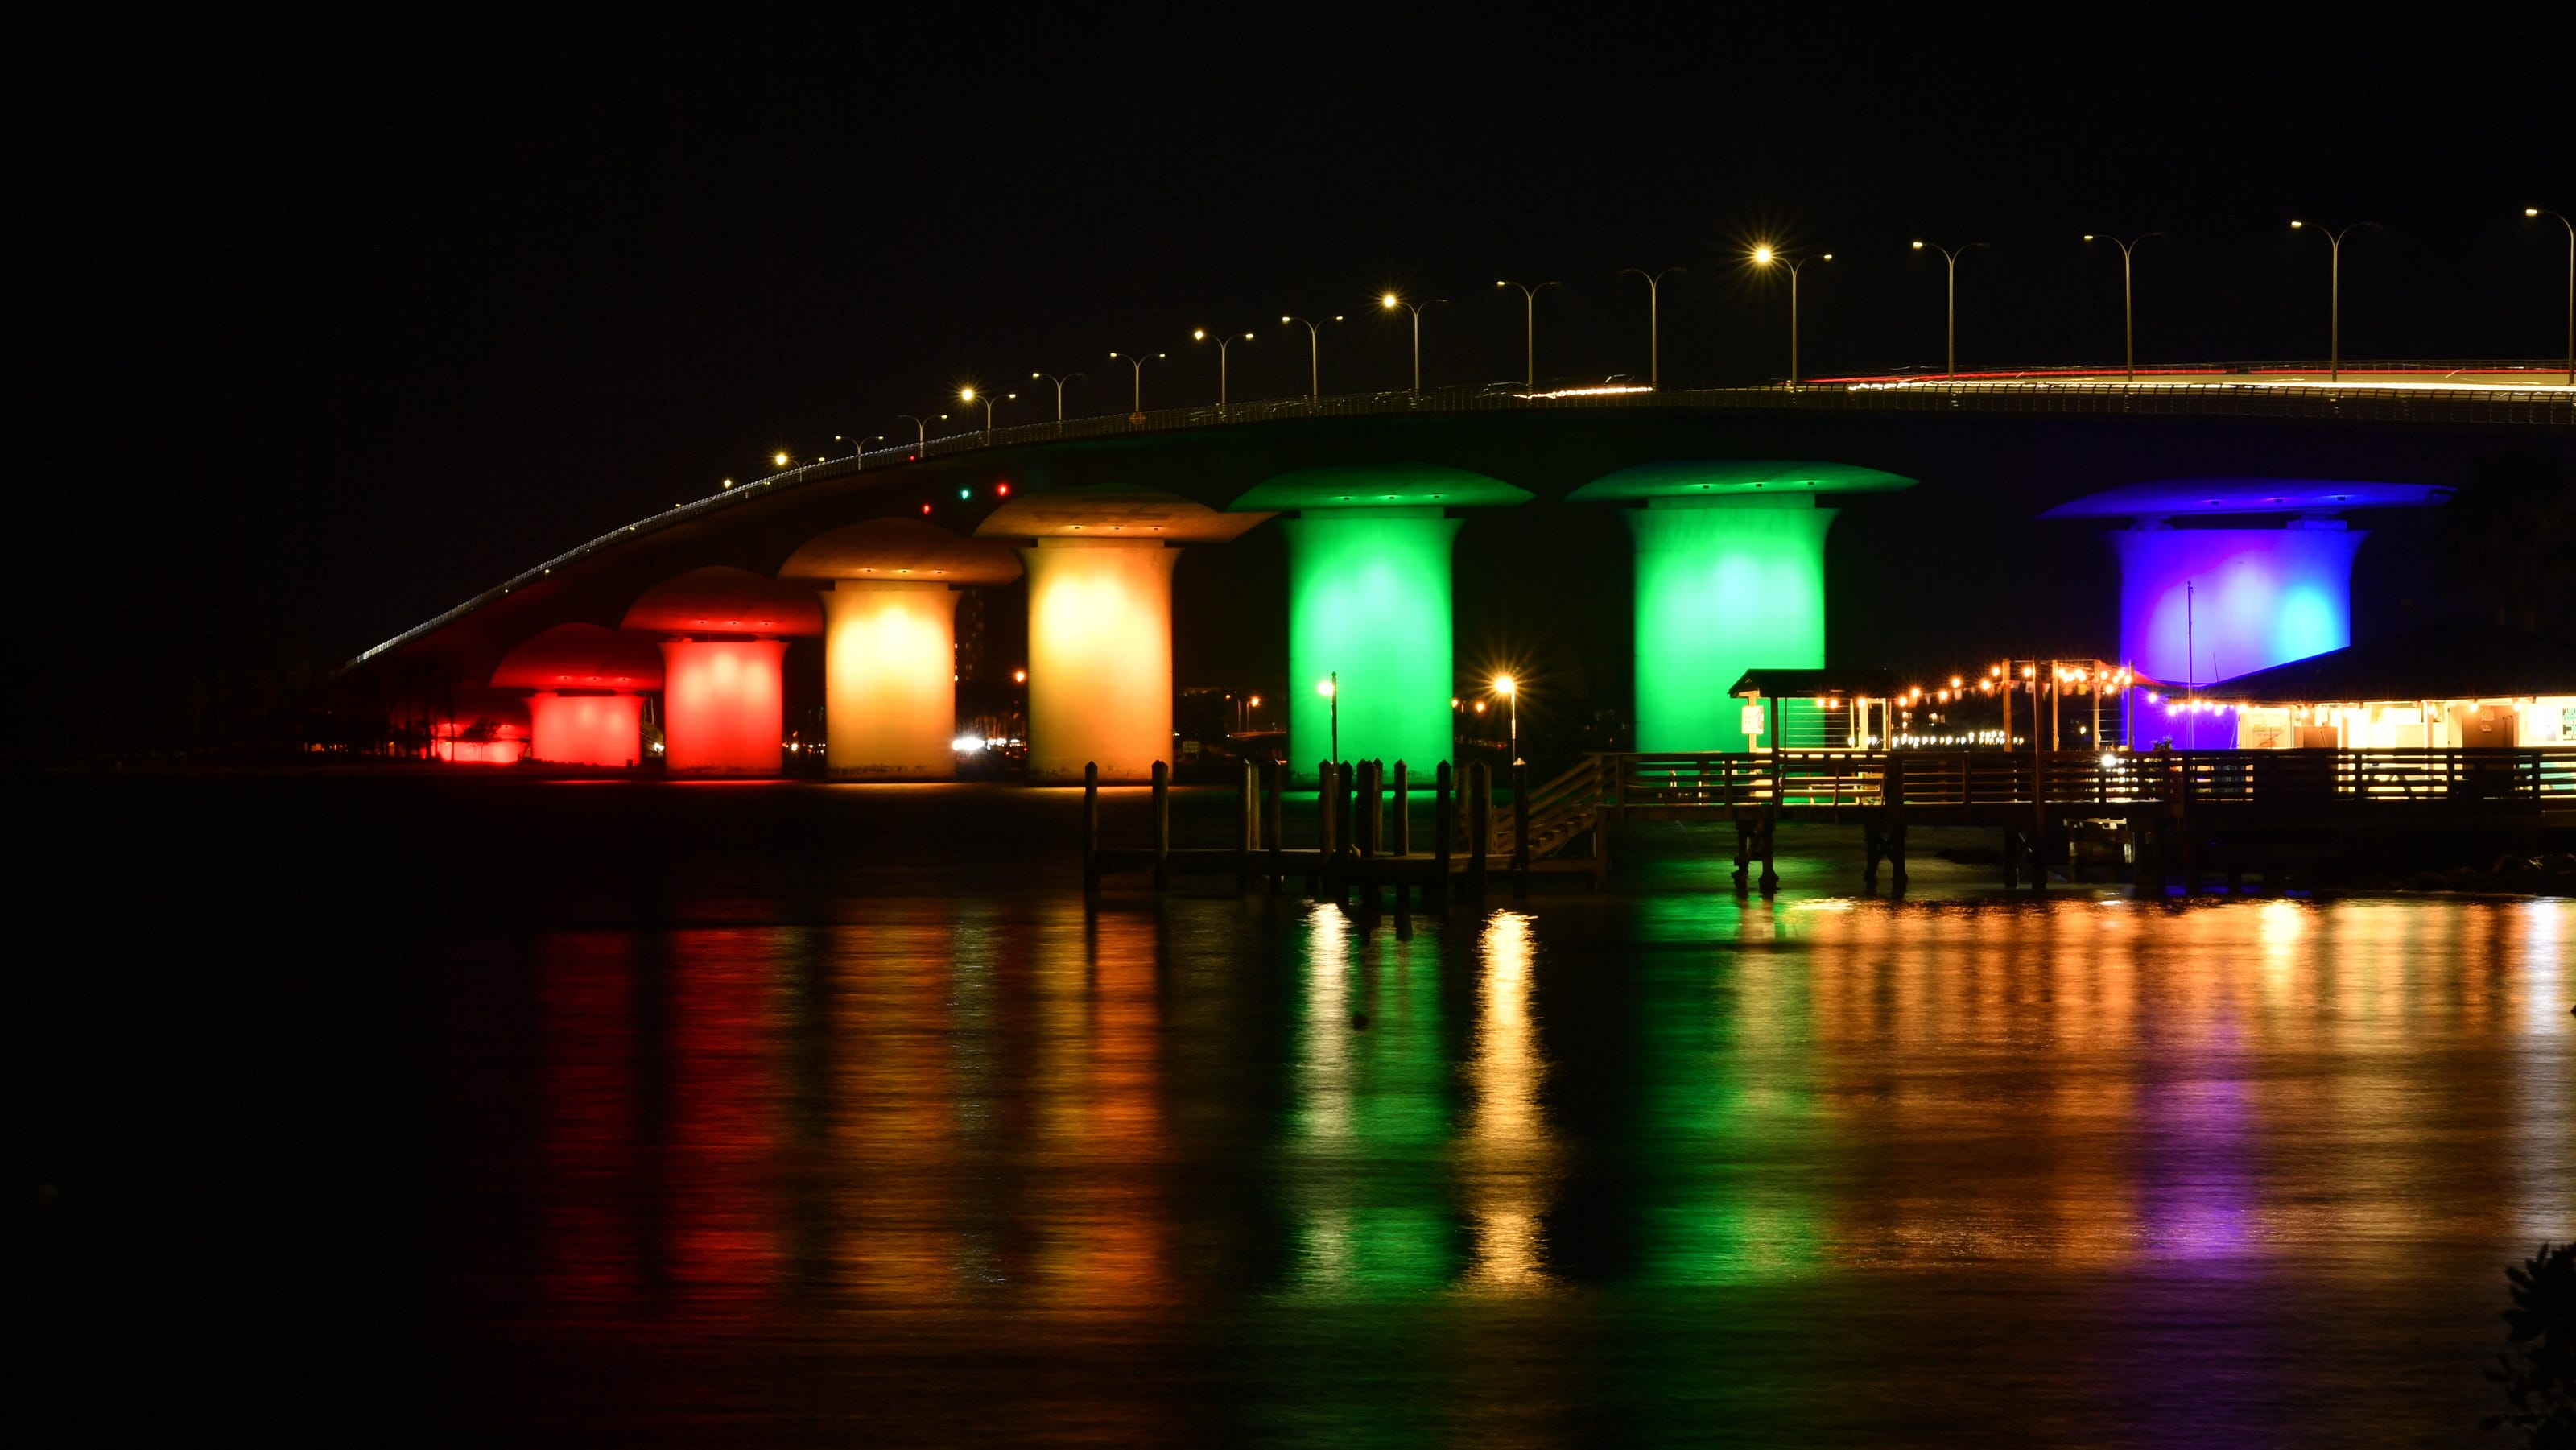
(330, 329)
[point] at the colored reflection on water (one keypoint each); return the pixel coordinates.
(1278, 1169)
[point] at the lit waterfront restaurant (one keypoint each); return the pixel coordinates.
(2446, 686)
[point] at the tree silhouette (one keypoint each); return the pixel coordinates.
(2538, 1366)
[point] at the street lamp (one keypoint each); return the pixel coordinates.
(1391, 302)
(1951, 365)
(1138, 359)
(970, 397)
(1506, 687)
(859, 447)
(2128, 311)
(1330, 687)
(920, 430)
(1314, 354)
(2334, 302)
(1200, 334)
(2538, 211)
(1769, 256)
(1059, 389)
(1654, 319)
(1529, 330)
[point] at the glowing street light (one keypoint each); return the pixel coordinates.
(2541, 211)
(1314, 354)
(1330, 687)
(2128, 313)
(1529, 330)
(1059, 382)
(1510, 690)
(1767, 255)
(1200, 334)
(1391, 302)
(779, 459)
(1138, 360)
(1950, 367)
(2334, 303)
(1654, 319)
(970, 397)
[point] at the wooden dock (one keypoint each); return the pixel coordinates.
(2159, 814)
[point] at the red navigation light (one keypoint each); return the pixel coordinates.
(1002, 489)
(925, 508)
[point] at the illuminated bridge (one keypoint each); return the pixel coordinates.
(1668, 540)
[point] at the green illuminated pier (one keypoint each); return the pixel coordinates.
(1368, 602)
(1730, 577)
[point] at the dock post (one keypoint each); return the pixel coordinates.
(1162, 823)
(1444, 830)
(1403, 796)
(1520, 830)
(1273, 830)
(1365, 838)
(1480, 825)
(1325, 790)
(1248, 840)
(1091, 828)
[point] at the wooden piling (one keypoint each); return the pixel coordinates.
(1274, 831)
(1162, 823)
(1365, 838)
(1480, 825)
(1444, 827)
(1091, 827)
(1403, 798)
(1326, 788)
(1520, 829)
(1248, 839)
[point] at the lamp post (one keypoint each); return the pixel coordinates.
(1059, 389)
(920, 431)
(1330, 687)
(1654, 319)
(1767, 256)
(1138, 359)
(2537, 211)
(1314, 354)
(859, 447)
(1529, 330)
(1509, 689)
(970, 398)
(1391, 302)
(2128, 309)
(1222, 343)
(1950, 364)
(2334, 297)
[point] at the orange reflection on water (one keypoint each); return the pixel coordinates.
(895, 1099)
(1507, 1161)
(1101, 1141)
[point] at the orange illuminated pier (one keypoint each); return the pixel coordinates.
(724, 651)
(1100, 563)
(890, 641)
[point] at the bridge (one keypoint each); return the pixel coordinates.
(1990, 452)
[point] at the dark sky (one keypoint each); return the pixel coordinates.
(328, 328)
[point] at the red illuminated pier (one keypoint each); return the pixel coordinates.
(724, 651)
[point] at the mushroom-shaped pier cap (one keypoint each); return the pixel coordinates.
(2200, 604)
(890, 648)
(1100, 620)
(1730, 577)
(582, 657)
(2246, 496)
(1380, 485)
(901, 550)
(722, 600)
(1685, 478)
(1114, 511)
(1369, 606)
